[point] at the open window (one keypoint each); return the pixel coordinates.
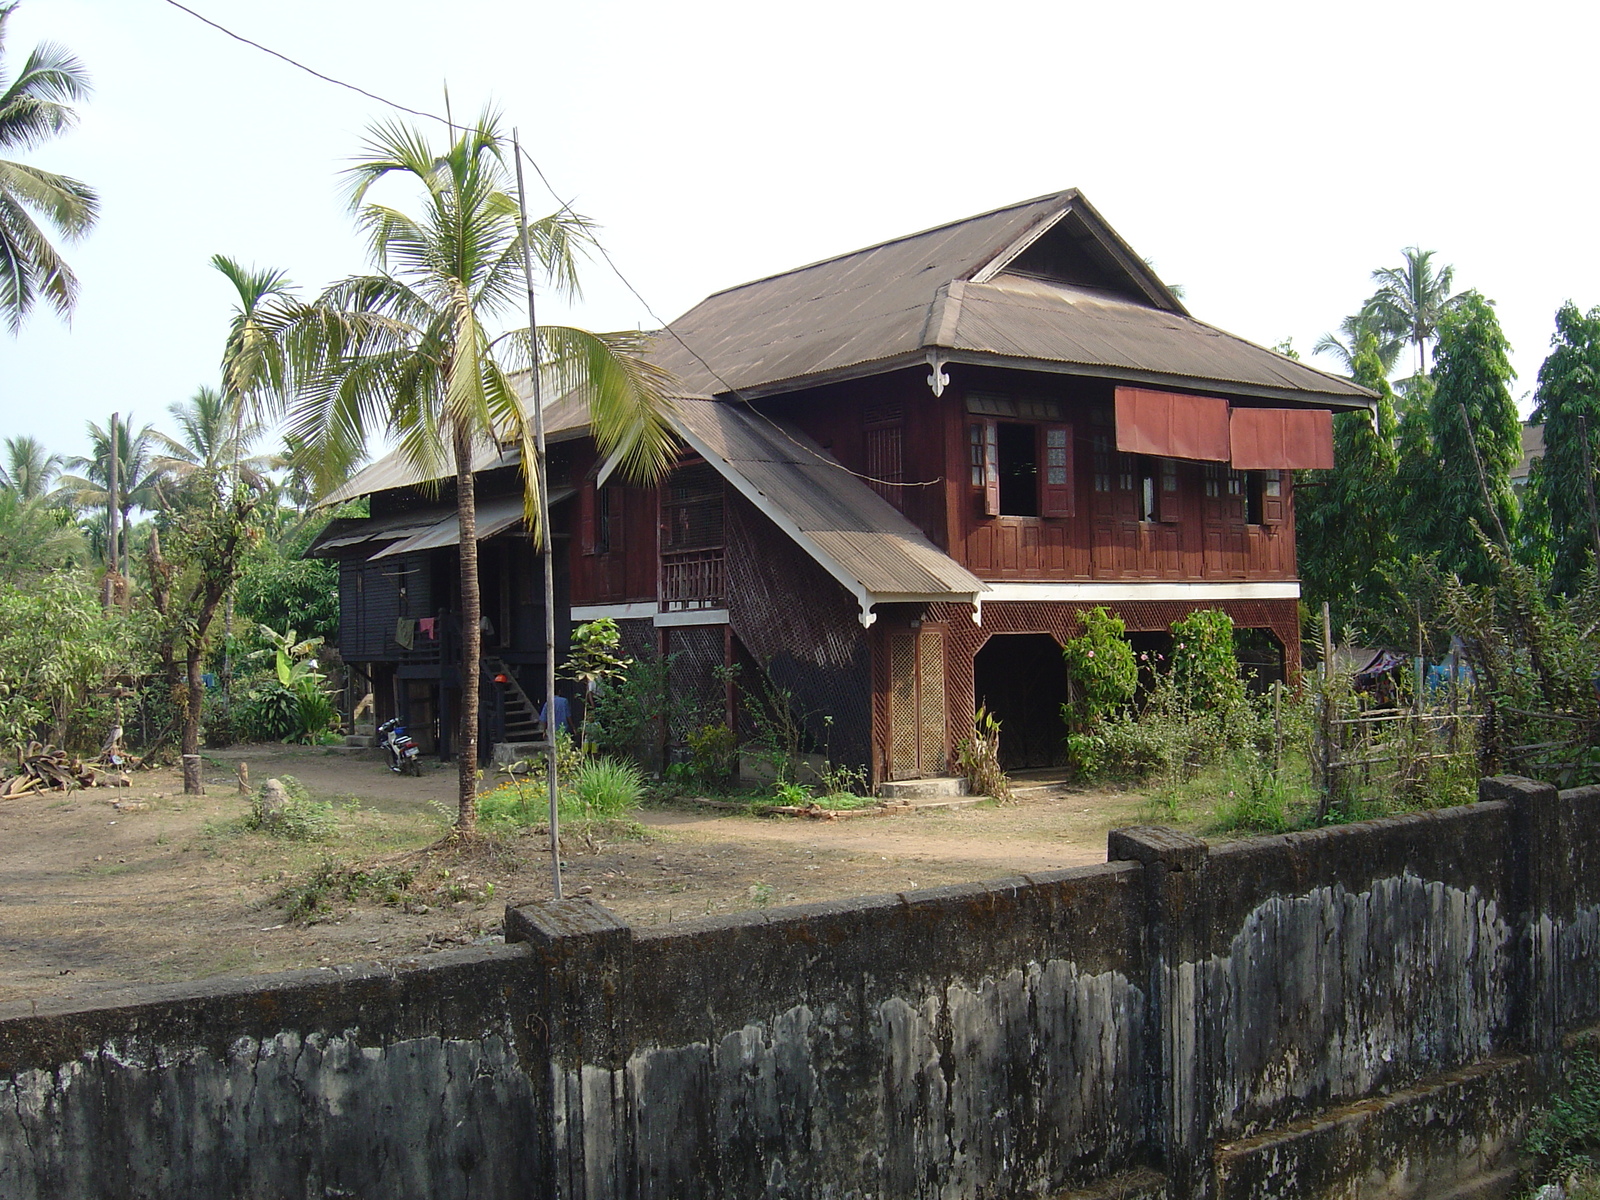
(1020, 469)
(1263, 497)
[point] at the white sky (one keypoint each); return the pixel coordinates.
(1267, 156)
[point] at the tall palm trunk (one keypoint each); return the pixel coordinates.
(471, 633)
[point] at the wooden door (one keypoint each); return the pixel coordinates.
(1222, 522)
(1114, 510)
(917, 744)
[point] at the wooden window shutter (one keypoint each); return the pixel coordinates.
(1056, 488)
(586, 523)
(1169, 491)
(1272, 487)
(983, 439)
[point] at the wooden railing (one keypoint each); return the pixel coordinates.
(693, 579)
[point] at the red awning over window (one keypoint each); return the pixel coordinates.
(1172, 425)
(1281, 438)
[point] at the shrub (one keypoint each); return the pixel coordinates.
(1101, 666)
(1565, 1138)
(712, 749)
(1205, 666)
(607, 788)
(310, 900)
(298, 819)
(1126, 748)
(978, 758)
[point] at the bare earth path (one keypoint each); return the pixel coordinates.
(110, 887)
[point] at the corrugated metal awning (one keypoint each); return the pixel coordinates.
(346, 533)
(1281, 438)
(493, 517)
(856, 535)
(1172, 425)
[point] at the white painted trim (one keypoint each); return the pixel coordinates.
(1113, 591)
(617, 612)
(692, 616)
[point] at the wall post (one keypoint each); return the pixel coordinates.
(585, 956)
(1179, 1075)
(1541, 890)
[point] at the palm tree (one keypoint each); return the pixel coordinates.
(1411, 298)
(212, 440)
(138, 475)
(407, 350)
(29, 468)
(1346, 345)
(33, 109)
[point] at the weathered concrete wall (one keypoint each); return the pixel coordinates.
(1365, 1011)
(966, 1041)
(320, 1084)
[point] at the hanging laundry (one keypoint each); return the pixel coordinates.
(405, 632)
(425, 627)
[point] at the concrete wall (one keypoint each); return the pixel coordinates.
(1356, 1012)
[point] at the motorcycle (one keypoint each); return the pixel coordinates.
(405, 758)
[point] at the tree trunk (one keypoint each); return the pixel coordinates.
(194, 701)
(471, 635)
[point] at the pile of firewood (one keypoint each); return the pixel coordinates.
(44, 769)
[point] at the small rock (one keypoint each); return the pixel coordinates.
(1551, 1191)
(273, 797)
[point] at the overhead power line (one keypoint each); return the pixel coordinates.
(565, 206)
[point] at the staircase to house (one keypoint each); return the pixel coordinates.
(522, 715)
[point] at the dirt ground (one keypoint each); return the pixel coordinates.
(106, 888)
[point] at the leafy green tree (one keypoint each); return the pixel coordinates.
(58, 647)
(36, 538)
(194, 558)
(34, 109)
(408, 351)
(1475, 439)
(29, 468)
(279, 587)
(1345, 517)
(1412, 299)
(1567, 402)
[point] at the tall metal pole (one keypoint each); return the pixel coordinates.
(547, 543)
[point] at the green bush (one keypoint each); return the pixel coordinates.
(1101, 666)
(713, 749)
(300, 819)
(595, 789)
(1565, 1138)
(311, 899)
(1205, 666)
(1127, 749)
(607, 788)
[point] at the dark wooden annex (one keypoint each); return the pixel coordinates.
(399, 606)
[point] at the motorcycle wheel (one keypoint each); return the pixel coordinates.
(413, 766)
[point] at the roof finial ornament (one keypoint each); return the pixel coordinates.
(938, 378)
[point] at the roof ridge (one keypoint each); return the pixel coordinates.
(1064, 194)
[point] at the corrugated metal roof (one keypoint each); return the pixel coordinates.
(394, 471)
(345, 532)
(493, 516)
(1021, 317)
(894, 302)
(851, 530)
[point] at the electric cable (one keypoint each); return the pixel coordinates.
(565, 207)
